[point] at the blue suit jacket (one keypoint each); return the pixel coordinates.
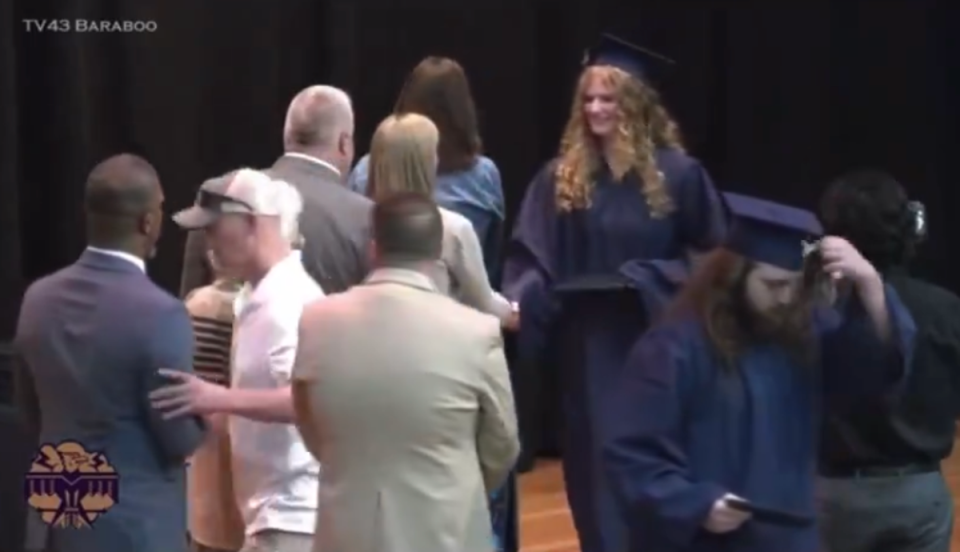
(90, 340)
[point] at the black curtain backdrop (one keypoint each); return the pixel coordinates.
(774, 99)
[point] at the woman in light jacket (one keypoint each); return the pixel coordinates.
(403, 158)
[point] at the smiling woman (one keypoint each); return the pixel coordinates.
(625, 119)
(622, 189)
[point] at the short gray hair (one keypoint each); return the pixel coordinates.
(317, 116)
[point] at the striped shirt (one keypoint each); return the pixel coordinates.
(211, 309)
(214, 518)
(211, 359)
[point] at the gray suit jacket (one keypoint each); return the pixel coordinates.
(335, 225)
(90, 340)
(410, 397)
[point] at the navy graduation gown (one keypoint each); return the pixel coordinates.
(586, 353)
(682, 431)
(550, 249)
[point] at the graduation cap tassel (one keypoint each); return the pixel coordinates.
(919, 213)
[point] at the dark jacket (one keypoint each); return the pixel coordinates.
(90, 340)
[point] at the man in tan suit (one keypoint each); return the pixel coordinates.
(403, 395)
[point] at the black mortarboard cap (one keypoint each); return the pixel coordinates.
(769, 232)
(636, 60)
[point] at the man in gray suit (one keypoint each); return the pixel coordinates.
(90, 339)
(318, 146)
(403, 395)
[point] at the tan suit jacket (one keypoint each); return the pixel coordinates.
(405, 397)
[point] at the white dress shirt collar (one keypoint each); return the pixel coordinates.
(137, 261)
(312, 159)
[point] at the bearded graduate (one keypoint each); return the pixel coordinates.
(622, 188)
(712, 430)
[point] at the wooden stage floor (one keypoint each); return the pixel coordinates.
(545, 524)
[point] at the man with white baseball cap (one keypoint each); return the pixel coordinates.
(250, 222)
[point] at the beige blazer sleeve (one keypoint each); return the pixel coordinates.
(498, 444)
(306, 373)
(470, 273)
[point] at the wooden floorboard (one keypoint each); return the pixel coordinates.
(545, 524)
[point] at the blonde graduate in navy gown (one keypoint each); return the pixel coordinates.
(711, 432)
(622, 188)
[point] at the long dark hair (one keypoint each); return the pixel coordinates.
(438, 89)
(716, 296)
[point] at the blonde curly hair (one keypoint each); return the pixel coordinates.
(643, 126)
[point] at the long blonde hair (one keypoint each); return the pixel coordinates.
(403, 156)
(644, 125)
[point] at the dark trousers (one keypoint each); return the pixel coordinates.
(909, 513)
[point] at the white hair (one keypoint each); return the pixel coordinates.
(291, 207)
(271, 197)
(317, 116)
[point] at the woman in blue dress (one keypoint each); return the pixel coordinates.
(467, 183)
(622, 189)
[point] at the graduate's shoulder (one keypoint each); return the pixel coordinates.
(681, 335)
(677, 161)
(683, 328)
(669, 352)
(543, 183)
(548, 172)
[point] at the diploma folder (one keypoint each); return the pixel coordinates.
(772, 516)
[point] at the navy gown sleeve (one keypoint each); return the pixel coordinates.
(643, 451)
(528, 270)
(854, 360)
(703, 220)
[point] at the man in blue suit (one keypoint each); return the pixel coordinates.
(90, 340)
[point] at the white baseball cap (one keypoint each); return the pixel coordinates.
(246, 191)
